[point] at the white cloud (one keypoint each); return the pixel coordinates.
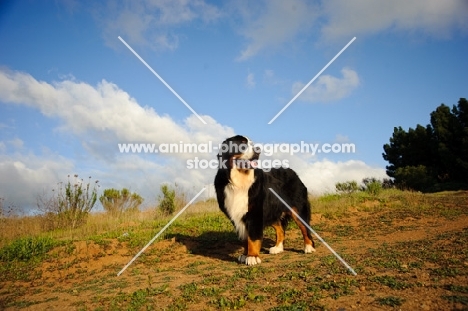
(328, 88)
(103, 113)
(342, 138)
(321, 176)
(16, 143)
(25, 176)
(270, 78)
(346, 19)
(250, 81)
(102, 116)
(272, 23)
(269, 74)
(151, 23)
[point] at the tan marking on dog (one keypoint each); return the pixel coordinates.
(308, 243)
(278, 248)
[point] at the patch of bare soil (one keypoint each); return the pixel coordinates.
(407, 261)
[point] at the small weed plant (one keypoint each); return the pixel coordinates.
(70, 204)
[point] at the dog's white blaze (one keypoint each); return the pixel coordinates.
(236, 199)
(277, 249)
(249, 152)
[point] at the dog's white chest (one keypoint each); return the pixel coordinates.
(236, 199)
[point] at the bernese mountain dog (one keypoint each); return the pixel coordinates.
(243, 196)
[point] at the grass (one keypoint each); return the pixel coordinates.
(24, 249)
(391, 301)
(193, 266)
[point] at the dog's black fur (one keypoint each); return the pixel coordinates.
(261, 208)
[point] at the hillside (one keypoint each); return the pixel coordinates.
(409, 251)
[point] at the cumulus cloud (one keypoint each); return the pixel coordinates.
(273, 23)
(104, 115)
(25, 176)
(346, 19)
(101, 117)
(328, 88)
(321, 176)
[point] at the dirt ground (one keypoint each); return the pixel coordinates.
(405, 260)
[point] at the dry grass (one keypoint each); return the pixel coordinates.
(15, 227)
(409, 250)
(330, 206)
(335, 205)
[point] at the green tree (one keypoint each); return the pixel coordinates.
(415, 177)
(450, 133)
(117, 202)
(408, 148)
(426, 157)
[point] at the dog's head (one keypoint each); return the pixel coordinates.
(238, 152)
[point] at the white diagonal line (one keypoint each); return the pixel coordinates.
(315, 233)
(310, 82)
(160, 232)
(162, 80)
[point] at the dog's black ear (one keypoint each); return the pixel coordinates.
(222, 149)
(223, 155)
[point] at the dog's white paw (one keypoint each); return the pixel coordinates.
(249, 260)
(276, 249)
(309, 249)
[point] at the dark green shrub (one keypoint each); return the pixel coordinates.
(167, 200)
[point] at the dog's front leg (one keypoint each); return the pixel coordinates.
(251, 252)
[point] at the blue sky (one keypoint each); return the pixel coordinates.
(70, 90)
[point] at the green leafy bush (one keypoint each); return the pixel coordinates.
(167, 200)
(346, 187)
(117, 202)
(372, 186)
